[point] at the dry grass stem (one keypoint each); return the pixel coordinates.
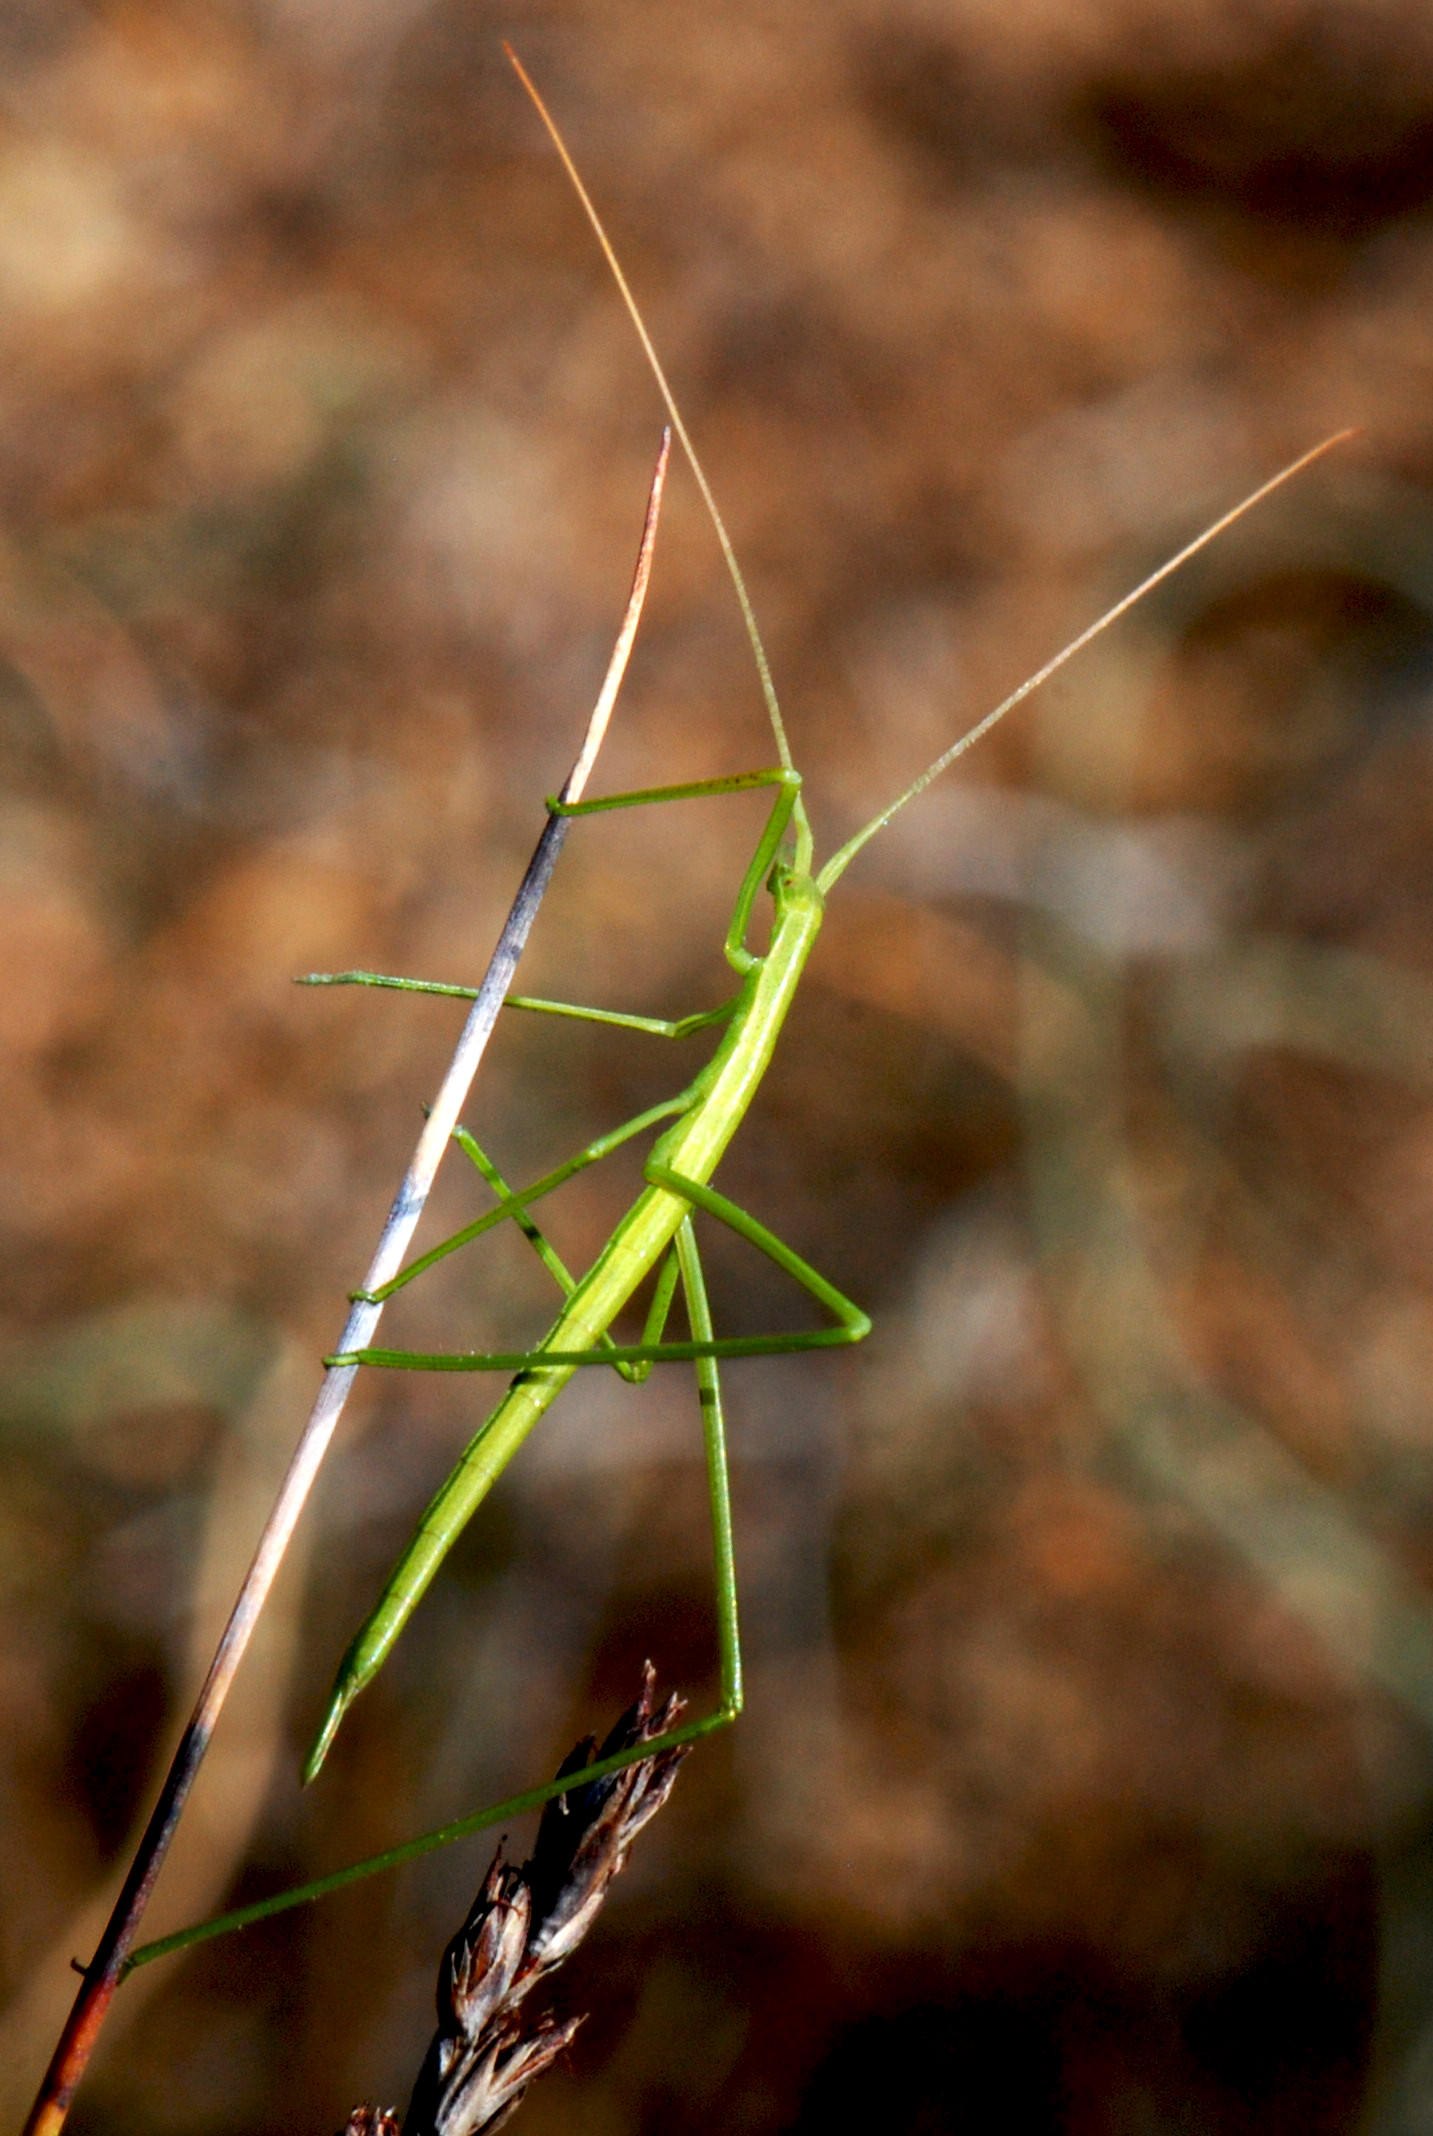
(102, 1976)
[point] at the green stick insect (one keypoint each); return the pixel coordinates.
(656, 1234)
(655, 1239)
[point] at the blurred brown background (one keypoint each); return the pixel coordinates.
(1086, 1779)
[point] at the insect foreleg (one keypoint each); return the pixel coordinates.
(852, 1324)
(656, 1026)
(787, 782)
(402, 986)
(541, 1245)
(653, 1026)
(593, 1153)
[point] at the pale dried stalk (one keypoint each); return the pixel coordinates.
(102, 1975)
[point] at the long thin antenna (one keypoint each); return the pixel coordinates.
(103, 1974)
(839, 862)
(748, 614)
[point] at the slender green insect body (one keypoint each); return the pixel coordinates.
(678, 1170)
(683, 1160)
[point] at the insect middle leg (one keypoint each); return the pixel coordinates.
(515, 1204)
(511, 1205)
(850, 1322)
